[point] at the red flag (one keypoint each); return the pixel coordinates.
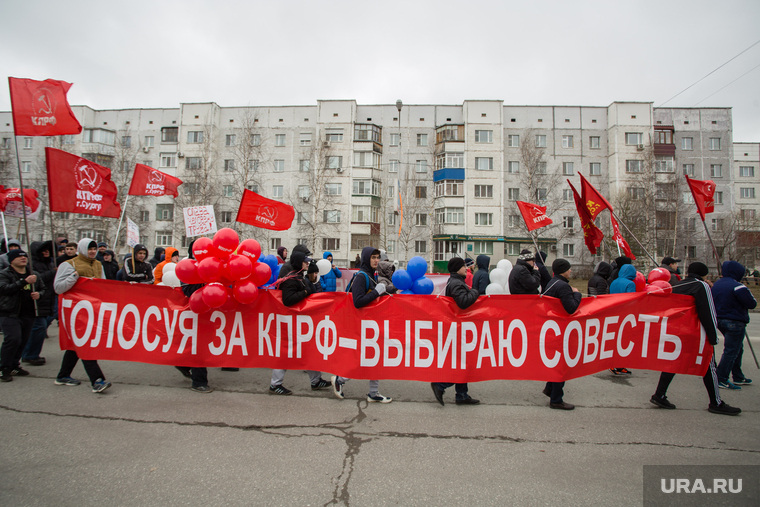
(592, 235)
(620, 240)
(593, 200)
(534, 215)
(265, 213)
(149, 181)
(40, 108)
(14, 194)
(704, 195)
(80, 186)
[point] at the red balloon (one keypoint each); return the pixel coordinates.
(225, 241)
(196, 302)
(225, 277)
(187, 271)
(640, 281)
(261, 273)
(210, 269)
(230, 304)
(214, 295)
(660, 286)
(245, 292)
(202, 248)
(239, 267)
(251, 249)
(659, 274)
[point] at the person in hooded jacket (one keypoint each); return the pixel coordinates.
(156, 259)
(616, 265)
(12, 244)
(312, 279)
(385, 270)
(110, 265)
(481, 279)
(44, 267)
(329, 280)
(364, 289)
(171, 256)
(286, 267)
(83, 265)
(282, 255)
(598, 284)
(524, 277)
(141, 272)
(464, 297)
(733, 300)
(295, 289)
(621, 285)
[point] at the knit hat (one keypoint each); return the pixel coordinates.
(526, 255)
(16, 253)
(698, 268)
(455, 264)
(313, 267)
(622, 260)
(469, 262)
(103, 243)
(560, 266)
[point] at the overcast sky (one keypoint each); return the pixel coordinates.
(140, 54)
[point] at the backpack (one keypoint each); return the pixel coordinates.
(348, 288)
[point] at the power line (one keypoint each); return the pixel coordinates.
(710, 73)
(729, 84)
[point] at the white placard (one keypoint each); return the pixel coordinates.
(13, 209)
(199, 220)
(133, 233)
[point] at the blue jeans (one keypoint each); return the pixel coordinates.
(733, 346)
(461, 389)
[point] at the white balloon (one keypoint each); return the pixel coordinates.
(498, 276)
(170, 279)
(169, 267)
(494, 288)
(324, 266)
(505, 265)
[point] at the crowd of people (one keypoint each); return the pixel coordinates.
(28, 306)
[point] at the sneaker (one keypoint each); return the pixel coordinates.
(34, 362)
(230, 369)
(662, 402)
(620, 371)
(320, 384)
(467, 401)
(202, 389)
(19, 372)
(5, 376)
(562, 406)
(724, 409)
(438, 393)
(728, 385)
(743, 382)
(100, 385)
(337, 386)
(378, 398)
(67, 381)
(280, 389)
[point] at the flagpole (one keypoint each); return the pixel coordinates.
(530, 233)
(118, 228)
(23, 212)
(715, 250)
(620, 254)
(634, 237)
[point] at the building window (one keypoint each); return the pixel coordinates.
(144, 216)
(195, 136)
(567, 141)
(330, 244)
(746, 171)
(304, 139)
(422, 139)
(334, 135)
(594, 142)
(687, 143)
(688, 169)
(366, 187)
(367, 159)
(253, 187)
(484, 163)
(484, 136)
(513, 194)
(636, 193)
(449, 160)
(568, 249)
(747, 193)
(255, 139)
(420, 192)
(229, 165)
(634, 138)
(716, 170)
(688, 198)
(513, 167)
(567, 195)
(567, 168)
(393, 166)
(279, 140)
(277, 191)
(716, 224)
(633, 166)
(540, 167)
(148, 141)
(302, 218)
(420, 166)
(26, 166)
(567, 222)
(168, 160)
(226, 217)
(333, 162)
(163, 238)
(126, 141)
(420, 219)
(513, 141)
(595, 169)
(279, 166)
(191, 188)
(485, 191)
(332, 188)
(482, 247)
(515, 221)
(229, 139)
(542, 194)
(169, 135)
(103, 137)
(253, 165)
(449, 188)
(664, 165)
(275, 243)
(483, 218)
(718, 196)
(364, 214)
(420, 247)
(193, 163)
(395, 139)
(304, 192)
(714, 143)
(365, 132)
(164, 211)
(228, 190)
(28, 142)
(748, 214)
(331, 216)
(304, 165)
(391, 218)
(540, 141)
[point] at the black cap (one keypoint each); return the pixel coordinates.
(698, 268)
(560, 266)
(103, 243)
(455, 264)
(16, 253)
(313, 267)
(669, 260)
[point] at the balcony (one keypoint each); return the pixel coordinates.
(663, 141)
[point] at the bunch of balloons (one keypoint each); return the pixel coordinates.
(659, 281)
(412, 280)
(230, 270)
(499, 278)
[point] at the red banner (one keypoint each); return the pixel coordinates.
(704, 195)
(534, 215)
(592, 235)
(594, 201)
(409, 337)
(14, 194)
(265, 213)
(149, 181)
(620, 240)
(40, 108)
(80, 186)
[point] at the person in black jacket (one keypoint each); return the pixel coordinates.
(19, 288)
(110, 265)
(524, 277)
(141, 272)
(69, 252)
(598, 285)
(44, 266)
(364, 290)
(296, 288)
(481, 278)
(694, 285)
(541, 264)
(464, 297)
(570, 298)
(671, 265)
(311, 279)
(156, 259)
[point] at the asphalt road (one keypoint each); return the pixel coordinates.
(149, 440)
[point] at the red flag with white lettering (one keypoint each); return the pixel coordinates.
(40, 108)
(594, 201)
(265, 213)
(534, 215)
(80, 186)
(149, 181)
(704, 195)
(14, 194)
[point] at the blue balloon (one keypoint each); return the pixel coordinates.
(423, 286)
(401, 280)
(405, 292)
(416, 267)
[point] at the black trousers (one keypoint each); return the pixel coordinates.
(199, 376)
(710, 380)
(556, 391)
(16, 332)
(70, 359)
